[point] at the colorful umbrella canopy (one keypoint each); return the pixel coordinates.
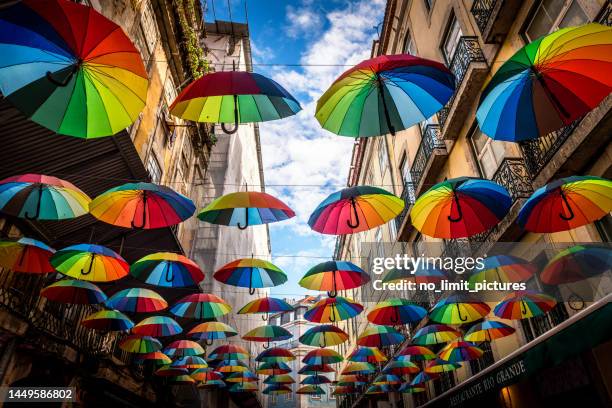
(379, 336)
(181, 379)
(40, 197)
(352, 383)
(359, 368)
(388, 379)
(396, 312)
(379, 389)
(140, 344)
(90, 262)
(460, 207)
(352, 378)
(548, 84)
(275, 389)
(332, 276)
(459, 350)
(323, 336)
(275, 354)
(275, 368)
(385, 94)
(243, 387)
(279, 379)
(322, 356)
(458, 309)
(577, 263)
(345, 390)
(70, 69)
(488, 330)
(524, 304)
(108, 320)
(367, 355)
(74, 292)
(435, 334)
(205, 375)
(422, 274)
(314, 369)
(242, 377)
(157, 326)
(438, 366)
(310, 390)
(232, 366)
(26, 255)
(333, 309)
(410, 389)
(167, 269)
(419, 353)
(316, 380)
(355, 209)
(251, 273)
(229, 352)
(266, 305)
(401, 368)
(245, 208)
(502, 268)
(141, 206)
(157, 356)
(423, 377)
(210, 331)
(200, 306)
(268, 333)
(137, 300)
(182, 348)
(234, 97)
(566, 203)
(212, 384)
(190, 362)
(169, 371)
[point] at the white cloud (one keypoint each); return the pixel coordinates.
(302, 21)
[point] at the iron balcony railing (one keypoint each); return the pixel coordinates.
(430, 140)
(513, 175)
(481, 10)
(409, 197)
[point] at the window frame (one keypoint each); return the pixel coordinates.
(383, 157)
(152, 158)
(486, 149)
(555, 25)
(452, 20)
(409, 40)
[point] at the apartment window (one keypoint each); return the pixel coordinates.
(489, 153)
(408, 44)
(428, 5)
(299, 313)
(383, 156)
(285, 318)
(550, 15)
(392, 231)
(407, 179)
(451, 39)
(149, 27)
(153, 168)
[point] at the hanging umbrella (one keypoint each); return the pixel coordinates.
(157, 326)
(566, 203)
(26, 255)
(419, 353)
(210, 331)
(524, 304)
(438, 366)
(205, 375)
(190, 362)
(314, 369)
(181, 379)
(242, 377)
(277, 389)
(396, 311)
(310, 390)
(367, 355)
(90, 262)
(266, 305)
(73, 291)
(379, 336)
(410, 389)
(70, 69)
(385, 94)
(352, 378)
(279, 379)
(359, 368)
(137, 300)
(140, 344)
(322, 356)
(245, 208)
(352, 383)
(459, 350)
(169, 371)
(107, 320)
(251, 273)
(378, 389)
(355, 209)
(423, 377)
(323, 336)
(388, 379)
(460, 208)
(488, 330)
(268, 334)
(577, 263)
(548, 84)
(232, 366)
(332, 276)
(316, 380)
(142, 206)
(401, 368)
(502, 268)
(422, 274)
(182, 348)
(458, 309)
(276, 368)
(344, 391)
(243, 387)
(156, 356)
(167, 269)
(333, 309)
(212, 384)
(40, 197)
(275, 354)
(435, 334)
(200, 306)
(234, 97)
(229, 352)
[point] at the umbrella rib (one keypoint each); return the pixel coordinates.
(119, 83)
(100, 96)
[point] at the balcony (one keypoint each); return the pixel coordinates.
(402, 224)
(429, 158)
(470, 69)
(494, 18)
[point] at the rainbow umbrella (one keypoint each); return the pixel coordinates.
(190, 362)
(40, 197)
(90, 262)
(140, 344)
(367, 354)
(167, 269)
(182, 348)
(156, 356)
(137, 300)
(423, 377)
(268, 333)
(205, 375)
(322, 356)
(210, 331)
(332, 276)
(524, 304)
(323, 336)
(232, 366)
(275, 368)
(345, 390)
(488, 330)
(502, 268)
(212, 384)
(438, 366)
(314, 369)
(378, 389)
(266, 305)
(26, 255)
(310, 389)
(245, 208)
(352, 383)
(352, 378)
(243, 387)
(388, 379)
(458, 309)
(157, 326)
(355, 209)
(169, 371)
(385, 94)
(142, 206)
(229, 352)
(275, 354)
(74, 292)
(410, 389)
(566, 203)
(577, 263)
(459, 350)
(234, 97)
(435, 334)
(333, 309)
(107, 320)
(548, 84)
(460, 207)
(316, 380)
(419, 353)
(200, 306)
(276, 389)
(279, 379)
(422, 274)
(251, 273)
(379, 336)
(181, 379)
(70, 69)
(401, 368)
(396, 312)
(242, 377)
(359, 368)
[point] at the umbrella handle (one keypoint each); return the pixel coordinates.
(384, 103)
(459, 211)
(523, 308)
(169, 275)
(333, 293)
(266, 346)
(246, 220)
(235, 129)
(209, 342)
(322, 345)
(65, 82)
(144, 213)
(348, 222)
(462, 318)
(251, 288)
(90, 265)
(332, 315)
(568, 206)
(264, 317)
(27, 215)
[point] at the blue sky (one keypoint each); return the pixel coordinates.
(304, 163)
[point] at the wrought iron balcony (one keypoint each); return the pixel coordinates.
(409, 197)
(494, 18)
(513, 175)
(482, 10)
(427, 160)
